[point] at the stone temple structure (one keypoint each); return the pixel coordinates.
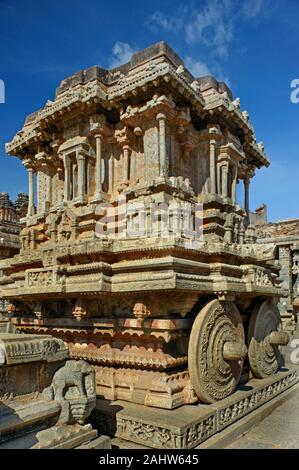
(138, 255)
(10, 227)
(285, 235)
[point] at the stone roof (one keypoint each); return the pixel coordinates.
(5, 201)
(156, 67)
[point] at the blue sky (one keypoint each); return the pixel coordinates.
(252, 44)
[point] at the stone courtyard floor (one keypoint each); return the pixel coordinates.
(280, 430)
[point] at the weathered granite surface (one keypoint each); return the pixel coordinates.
(285, 235)
(191, 425)
(10, 227)
(137, 242)
(44, 398)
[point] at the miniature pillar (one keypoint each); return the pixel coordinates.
(99, 176)
(49, 187)
(126, 152)
(224, 180)
(234, 186)
(246, 195)
(67, 178)
(40, 198)
(81, 176)
(162, 145)
(212, 166)
(218, 176)
(31, 209)
(110, 174)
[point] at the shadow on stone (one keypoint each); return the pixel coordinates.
(104, 419)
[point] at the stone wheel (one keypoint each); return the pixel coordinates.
(216, 351)
(264, 338)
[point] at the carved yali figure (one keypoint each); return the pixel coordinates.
(73, 386)
(216, 351)
(265, 335)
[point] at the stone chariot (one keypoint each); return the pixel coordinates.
(167, 320)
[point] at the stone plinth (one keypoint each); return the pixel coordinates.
(188, 426)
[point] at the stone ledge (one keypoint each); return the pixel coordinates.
(233, 432)
(188, 426)
(15, 420)
(16, 348)
(101, 442)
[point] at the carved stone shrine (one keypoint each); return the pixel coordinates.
(136, 252)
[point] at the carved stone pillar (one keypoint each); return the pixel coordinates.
(246, 195)
(213, 166)
(67, 177)
(44, 181)
(163, 163)
(126, 154)
(81, 175)
(234, 185)
(218, 177)
(110, 173)
(224, 170)
(31, 208)
(99, 162)
(49, 187)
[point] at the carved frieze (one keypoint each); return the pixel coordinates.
(19, 349)
(135, 426)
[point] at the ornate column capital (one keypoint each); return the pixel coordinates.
(28, 164)
(81, 155)
(214, 134)
(123, 136)
(97, 123)
(161, 117)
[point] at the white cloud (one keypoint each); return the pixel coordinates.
(200, 69)
(196, 67)
(121, 53)
(159, 20)
(212, 26)
(252, 8)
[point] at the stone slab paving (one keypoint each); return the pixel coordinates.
(280, 430)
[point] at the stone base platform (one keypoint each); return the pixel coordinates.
(188, 426)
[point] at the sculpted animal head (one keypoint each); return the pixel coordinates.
(83, 367)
